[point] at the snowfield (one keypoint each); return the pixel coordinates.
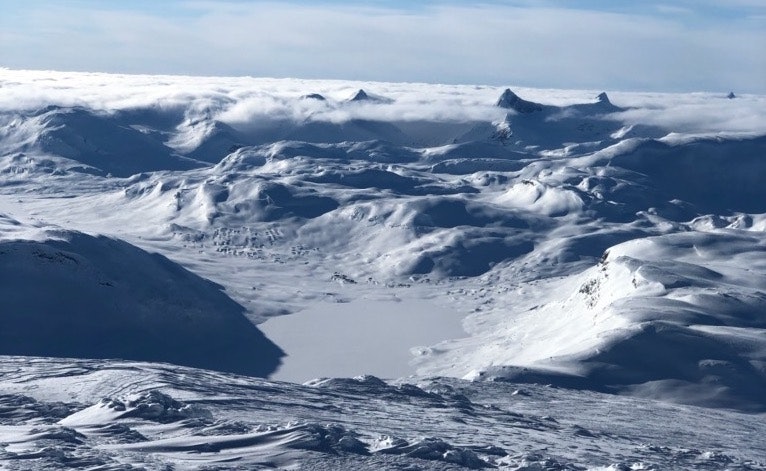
(115, 415)
(545, 279)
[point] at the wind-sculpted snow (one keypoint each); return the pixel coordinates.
(612, 243)
(73, 414)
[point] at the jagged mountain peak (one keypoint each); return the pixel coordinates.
(510, 100)
(360, 95)
(363, 96)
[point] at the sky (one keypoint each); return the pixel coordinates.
(672, 45)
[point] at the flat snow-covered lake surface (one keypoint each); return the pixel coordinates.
(365, 336)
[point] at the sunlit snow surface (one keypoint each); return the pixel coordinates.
(608, 245)
(111, 415)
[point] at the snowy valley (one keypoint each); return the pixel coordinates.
(234, 273)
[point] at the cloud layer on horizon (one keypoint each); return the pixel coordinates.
(243, 101)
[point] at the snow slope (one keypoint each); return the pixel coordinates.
(75, 414)
(676, 317)
(68, 294)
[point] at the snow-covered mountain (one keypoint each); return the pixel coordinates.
(609, 245)
(73, 295)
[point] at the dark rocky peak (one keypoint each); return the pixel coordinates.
(360, 95)
(510, 100)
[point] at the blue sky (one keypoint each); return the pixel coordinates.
(675, 45)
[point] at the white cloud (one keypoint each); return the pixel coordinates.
(694, 112)
(243, 101)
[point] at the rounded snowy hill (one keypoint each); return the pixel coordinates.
(68, 294)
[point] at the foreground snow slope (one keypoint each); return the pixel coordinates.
(61, 414)
(595, 242)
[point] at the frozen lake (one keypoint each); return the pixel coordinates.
(361, 337)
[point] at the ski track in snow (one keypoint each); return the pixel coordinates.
(611, 244)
